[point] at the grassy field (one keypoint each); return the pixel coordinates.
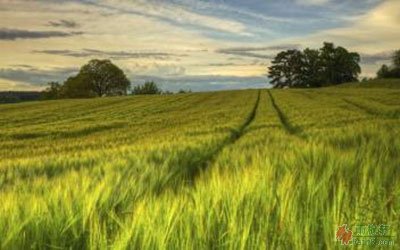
(252, 169)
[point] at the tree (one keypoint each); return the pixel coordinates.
(396, 64)
(392, 71)
(104, 78)
(148, 88)
(182, 91)
(396, 59)
(383, 72)
(311, 71)
(96, 78)
(286, 69)
(339, 65)
(78, 87)
(53, 91)
(314, 68)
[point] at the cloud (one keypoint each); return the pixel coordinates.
(64, 23)
(376, 58)
(13, 34)
(167, 38)
(172, 79)
(222, 64)
(312, 2)
(377, 27)
(368, 34)
(251, 51)
(228, 64)
(35, 76)
(162, 70)
(117, 55)
(172, 13)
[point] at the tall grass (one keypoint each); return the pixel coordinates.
(226, 170)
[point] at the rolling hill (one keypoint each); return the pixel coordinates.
(251, 169)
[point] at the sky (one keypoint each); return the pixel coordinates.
(200, 45)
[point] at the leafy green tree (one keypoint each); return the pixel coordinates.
(383, 72)
(96, 78)
(53, 91)
(104, 78)
(392, 71)
(396, 64)
(78, 87)
(182, 91)
(311, 71)
(286, 69)
(396, 59)
(314, 68)
(339, 65)
(148, 88)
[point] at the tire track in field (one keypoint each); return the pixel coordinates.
(192, 163)
(372, 111)
(290, 128)
(185, 167)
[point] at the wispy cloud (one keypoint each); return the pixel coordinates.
(159, 69)
(111, 54)
(253, 51)
(376, 58)
(172, 39)
(13, 34)
(313, 2)
(64, 23)
(36, 76)
(173, 13)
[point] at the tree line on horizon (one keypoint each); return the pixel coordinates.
(393, 70)
(309, 68)
(329, 65)
(100, 78)
(312, 68)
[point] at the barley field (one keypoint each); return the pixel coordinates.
(250, 169)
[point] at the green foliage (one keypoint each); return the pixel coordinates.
(104, 78)
(396, 59)
(224, 170)
(329, 65)
(383, 72)
(286, 69)
(96, 78)
(339, 65)
(53, 91)
(77, 87)
(148, 88)
(182, 91)
(392, 71)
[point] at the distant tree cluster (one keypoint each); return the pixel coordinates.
(100, 78)
(18, 96)
(392, 71)
(151, 88)
(329, 65)
(95, 79)
(182, 91)
(148, 88)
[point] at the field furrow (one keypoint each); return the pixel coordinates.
(252, 169)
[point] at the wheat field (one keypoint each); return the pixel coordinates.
(250, 169)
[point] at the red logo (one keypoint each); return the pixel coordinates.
(344, 234)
